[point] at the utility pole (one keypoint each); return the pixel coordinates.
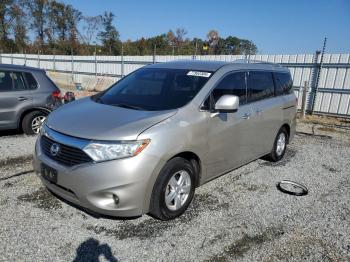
(318, 76)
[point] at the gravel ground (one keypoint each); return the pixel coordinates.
(239, 216)
(15, 147)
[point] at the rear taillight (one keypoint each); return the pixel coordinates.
(56, 94)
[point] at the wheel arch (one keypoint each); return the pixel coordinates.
(29, 110)
(287, 127)
(195, 161)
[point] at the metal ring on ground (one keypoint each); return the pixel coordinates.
(304, 191)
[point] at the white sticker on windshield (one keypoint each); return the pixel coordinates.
(198, 73)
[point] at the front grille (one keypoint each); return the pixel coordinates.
(67, 155)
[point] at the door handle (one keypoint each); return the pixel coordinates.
(246, 116)
(22, 98)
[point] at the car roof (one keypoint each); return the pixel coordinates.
(20, 68)
(216, 65)
(191, 65)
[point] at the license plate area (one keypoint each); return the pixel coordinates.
(49, 173)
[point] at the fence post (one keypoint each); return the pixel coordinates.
(303, 100)
(72, 64)
(54, 60)
(11, 57)
(1, 56)
(154, 54)
(122, 62)
(38, 58)
(95, 57)
(195, 52)
(318, 68)
(25, 58)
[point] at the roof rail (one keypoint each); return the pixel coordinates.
(249, 61)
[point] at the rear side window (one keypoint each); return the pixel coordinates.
(31, 82)
(5, 81)
(18, 81)
(284, 84)
(260, 85)
(232, 84)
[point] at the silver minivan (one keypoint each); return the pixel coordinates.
(144, 144)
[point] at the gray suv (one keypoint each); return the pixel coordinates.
(144, 144)
(27, 96)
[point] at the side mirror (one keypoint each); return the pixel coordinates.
(227, 104)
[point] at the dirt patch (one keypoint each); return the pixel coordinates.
(4, 201)
(243, 245)
(8, 184)
(250, 187)
(144, 230)
(14, 161)
(315, 119)
(330, 169)
(299, 248)
(41, 198)
(326, 129)
(155, 228)
(213, 240)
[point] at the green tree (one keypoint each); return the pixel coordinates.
(171, 39)
(19, 27)
(247, 47)
(57, 21)
(232, 45)
(39, 10)
(109, 36)
(73, 17)
(5, 23)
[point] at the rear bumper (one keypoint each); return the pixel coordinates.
(93, 185)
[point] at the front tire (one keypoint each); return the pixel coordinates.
(279, 146)
(173, 190)
(32, 122)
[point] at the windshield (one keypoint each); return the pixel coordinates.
(154, 89)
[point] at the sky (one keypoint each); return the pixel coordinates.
(275, 26)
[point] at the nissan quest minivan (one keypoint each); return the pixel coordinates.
(144, 144)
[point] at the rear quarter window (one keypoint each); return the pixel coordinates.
(31, 82)
(284, 83)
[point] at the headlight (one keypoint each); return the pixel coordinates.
(103, 151)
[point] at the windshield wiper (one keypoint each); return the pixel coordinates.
(128, 106)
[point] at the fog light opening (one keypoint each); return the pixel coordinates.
(116, 199)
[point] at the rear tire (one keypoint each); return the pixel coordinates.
(32, 122)
(279, 146)
(173, 190)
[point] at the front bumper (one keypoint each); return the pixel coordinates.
(92, 185)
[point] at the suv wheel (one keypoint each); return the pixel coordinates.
(279, 147)
(173, 190)
(32, 122)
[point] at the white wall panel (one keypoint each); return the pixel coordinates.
(327, 101)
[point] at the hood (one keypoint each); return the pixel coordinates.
(87, 119)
